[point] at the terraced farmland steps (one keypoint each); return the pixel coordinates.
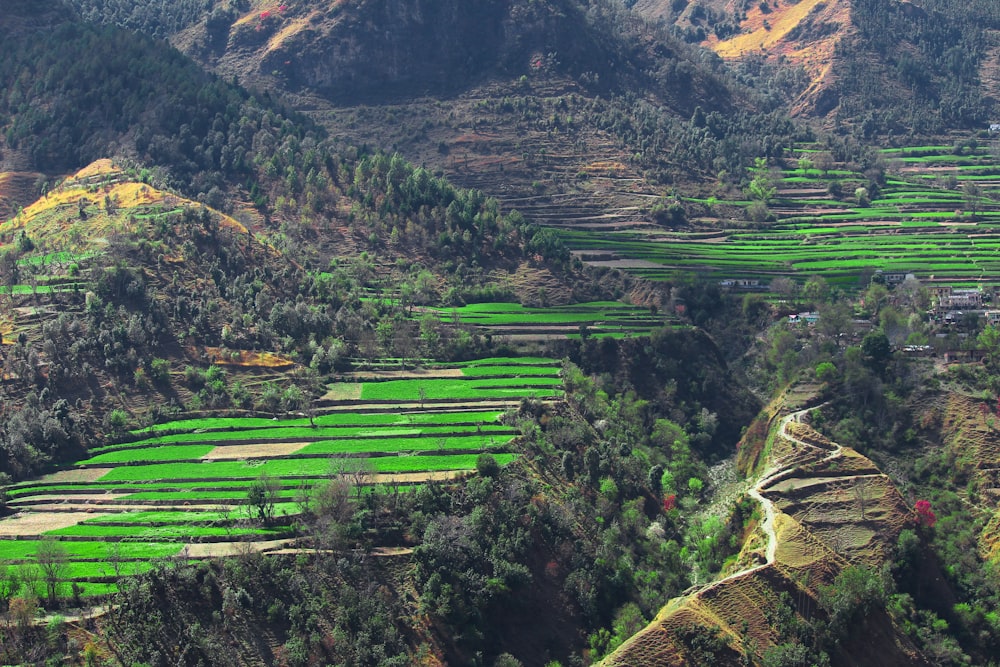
(810, 493)
(181, 489)
(774, 473)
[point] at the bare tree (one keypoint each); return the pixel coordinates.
(824, 162)
(261, 499)
(359, 472)
(862, 493)
(973, 193)
(53, 560)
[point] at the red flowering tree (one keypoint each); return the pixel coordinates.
(925, 515)
(670, 502)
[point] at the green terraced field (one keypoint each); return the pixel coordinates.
(285, 434)
(146, 499)
(914, 224)
(600, 316)
(460, 389)
(331, 419)
(311, 467)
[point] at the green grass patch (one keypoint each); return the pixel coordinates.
(26, 550)
(330, 419)
(175, 453)
(169, 533)
(317, 467)
(443, 389)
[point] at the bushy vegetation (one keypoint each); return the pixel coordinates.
(938, 72)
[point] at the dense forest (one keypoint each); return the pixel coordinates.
(938, 71)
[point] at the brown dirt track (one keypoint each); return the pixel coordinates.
(812, 529)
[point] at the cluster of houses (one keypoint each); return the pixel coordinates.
(949, 305)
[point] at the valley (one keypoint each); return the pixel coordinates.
(520, 332)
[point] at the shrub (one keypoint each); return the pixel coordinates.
(487, 466)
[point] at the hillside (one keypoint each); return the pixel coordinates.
(796, 34)
(825, 509)
(592, 130)
(861, 58)
(297, 365)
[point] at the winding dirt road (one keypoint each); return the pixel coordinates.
(771, 475)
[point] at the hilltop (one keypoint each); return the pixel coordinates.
(940, 58)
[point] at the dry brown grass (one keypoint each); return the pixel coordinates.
(261, 451)
(782, 19)
(100, 167)
(343, 391)
(37, 523)
(220, 549)
(246, 358)
(76, 475)
(417, 477)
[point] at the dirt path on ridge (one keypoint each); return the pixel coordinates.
(773, 472)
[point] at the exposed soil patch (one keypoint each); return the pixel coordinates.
(346, 391)
(36, 523)
(76, 475)
(417, 477)
(260, 451)
(220, 549)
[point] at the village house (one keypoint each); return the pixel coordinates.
(808, 319)
(741, 283)
(939, 291)
(891, 278)
(960, 299)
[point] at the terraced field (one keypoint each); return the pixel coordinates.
(517, 322)
(823, 507)
(180, 489)
(921, 221)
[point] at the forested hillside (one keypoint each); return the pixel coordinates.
(156, 19)
(938, 56)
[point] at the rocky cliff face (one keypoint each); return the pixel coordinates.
(385, 49)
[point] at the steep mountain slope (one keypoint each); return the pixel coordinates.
(863, 57)
(825, 509)
(577, 114)
(383, 51)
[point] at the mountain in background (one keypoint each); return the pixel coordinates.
(876, 67)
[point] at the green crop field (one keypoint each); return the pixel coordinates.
(514, 319)
(273, 434)
(916, 222)
(187, 481)
(470, 389)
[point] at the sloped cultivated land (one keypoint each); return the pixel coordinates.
(597, 318)
(180, 489)
(922, 221)
(832, 508)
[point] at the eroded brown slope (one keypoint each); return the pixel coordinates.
(971, 431)
(801, 32)
(824, 507)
